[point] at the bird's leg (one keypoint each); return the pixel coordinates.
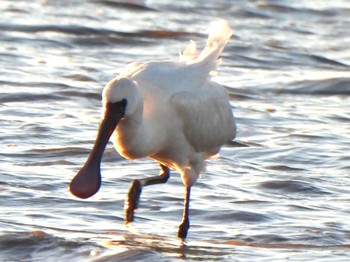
(133, 197)
(185, 224)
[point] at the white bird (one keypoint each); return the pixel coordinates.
(169, 111)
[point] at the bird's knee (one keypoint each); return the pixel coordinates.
(189, 177)
(165, 174)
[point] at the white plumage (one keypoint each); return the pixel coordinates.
(187, 117)
(169, 111)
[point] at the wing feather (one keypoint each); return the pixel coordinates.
(206, 117)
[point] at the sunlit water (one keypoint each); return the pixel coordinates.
(285, 195)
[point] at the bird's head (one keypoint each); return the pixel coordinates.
(123, 89)
(121, 99)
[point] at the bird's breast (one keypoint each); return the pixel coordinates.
(126, 147)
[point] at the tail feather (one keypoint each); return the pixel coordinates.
(219, 34)
(190, 52)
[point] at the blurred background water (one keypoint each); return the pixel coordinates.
(284, 196)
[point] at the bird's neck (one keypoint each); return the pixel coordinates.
(133, 137)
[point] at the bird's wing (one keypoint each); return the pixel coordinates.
(206, 117)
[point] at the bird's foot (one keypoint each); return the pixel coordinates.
(183, 229)
(132, 200)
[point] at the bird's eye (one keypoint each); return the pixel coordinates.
(124, 102)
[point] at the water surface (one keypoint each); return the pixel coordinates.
(282, 196)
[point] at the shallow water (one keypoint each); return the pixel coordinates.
(284, 195)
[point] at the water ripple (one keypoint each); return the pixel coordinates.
(279, 192)
(293, 186)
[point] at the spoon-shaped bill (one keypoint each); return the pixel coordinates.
(88, 180)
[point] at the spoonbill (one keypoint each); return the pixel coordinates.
(169, 111)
